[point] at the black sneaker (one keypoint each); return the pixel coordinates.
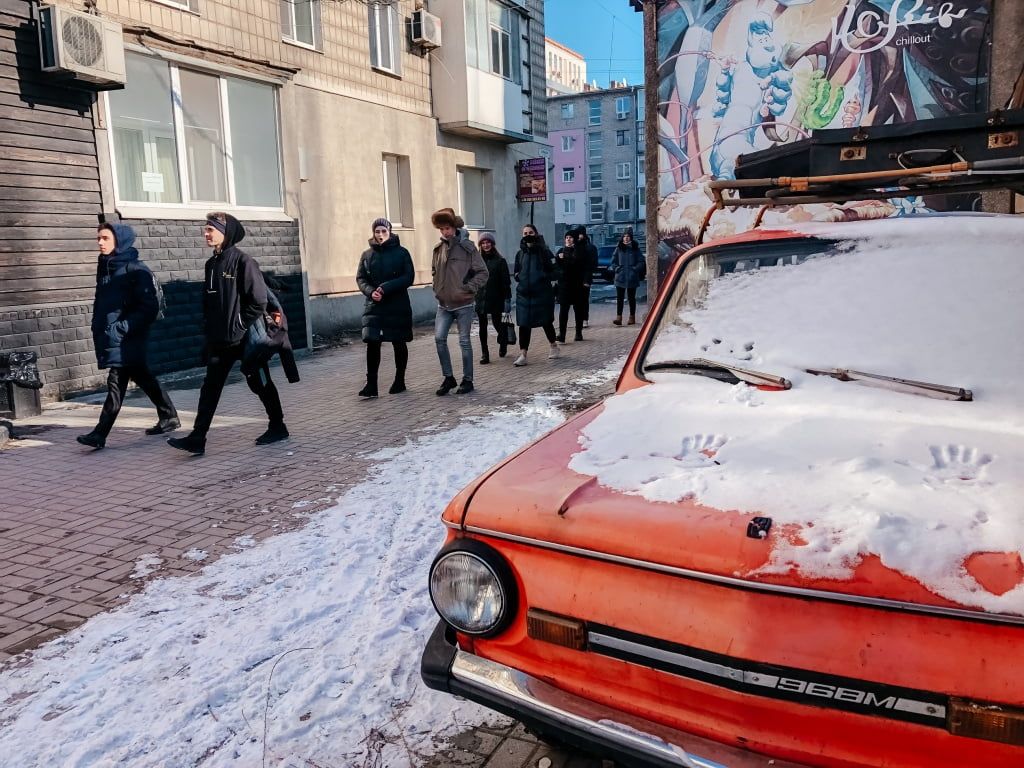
(485, 360)
(397, 388)
(164, 425)
(447, 385)
(190, 444)
(274, 434)
(465, 387)
(579, 336)
(502, 350)
(367, 391)
(93, 440)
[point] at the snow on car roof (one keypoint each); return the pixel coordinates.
(923, 484)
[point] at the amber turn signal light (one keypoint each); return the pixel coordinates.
(991, 722)
(559, 630)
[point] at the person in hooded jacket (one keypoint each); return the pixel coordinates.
(535, 299)
(124, 310)
(495, 298)
(589, 257)
(629, 268)
(384, 275)
(573, 267)
(234, 298)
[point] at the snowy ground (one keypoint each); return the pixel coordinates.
(302, 651)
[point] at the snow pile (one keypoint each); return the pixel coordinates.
(306, 645)
(924, 484)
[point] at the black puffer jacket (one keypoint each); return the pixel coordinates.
(126, 304)
(497, 291)
(573, 274)
(534, 271)
(387, 266)
(235, 293)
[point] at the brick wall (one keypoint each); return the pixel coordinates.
(60, 333)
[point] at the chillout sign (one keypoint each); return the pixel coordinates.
(849, 27)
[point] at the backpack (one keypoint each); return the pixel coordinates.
(161, 303)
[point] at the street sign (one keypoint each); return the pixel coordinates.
(532, 176)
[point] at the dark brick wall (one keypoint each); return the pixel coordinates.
(176, 252)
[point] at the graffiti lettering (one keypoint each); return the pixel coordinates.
(849, 27)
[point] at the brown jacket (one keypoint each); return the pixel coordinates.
(459, 272)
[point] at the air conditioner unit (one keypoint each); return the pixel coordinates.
(85, 48)
(426, 29)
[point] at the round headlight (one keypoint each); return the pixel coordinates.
(472, 588)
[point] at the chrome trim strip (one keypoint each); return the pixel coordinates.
(755, 586)
(534, 695)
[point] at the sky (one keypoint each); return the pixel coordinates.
(609, 34)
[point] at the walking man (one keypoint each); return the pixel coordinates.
(459, 272)
(589, 258)
(235, 298)
(125, 308)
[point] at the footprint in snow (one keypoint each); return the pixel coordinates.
(700, 450)
(725, 348)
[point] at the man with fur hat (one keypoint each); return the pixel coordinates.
(234, 298)
(459, 272)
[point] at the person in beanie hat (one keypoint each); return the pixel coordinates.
(234, 299)
(589, 258)
(573, 268)
(384, 275)
(495, 298)
(629, 268)
(459, 272)
(125, 308)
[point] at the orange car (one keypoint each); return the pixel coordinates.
(794, 534)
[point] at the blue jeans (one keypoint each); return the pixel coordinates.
(442, 324)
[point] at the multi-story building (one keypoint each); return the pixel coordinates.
(566, 69)
(307, 119)
(598, 158)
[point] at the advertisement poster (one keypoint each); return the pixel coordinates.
(737, 76)
(533, 180)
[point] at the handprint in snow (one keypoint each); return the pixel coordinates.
(953, 463)
(699, 450)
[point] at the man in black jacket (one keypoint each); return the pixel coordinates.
(235, 298)
(125, 307)
(589, 251)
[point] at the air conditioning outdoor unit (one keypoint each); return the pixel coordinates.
(85, 48)
(426, 30)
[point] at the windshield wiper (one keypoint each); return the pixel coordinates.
(701, 367)
(896, 384)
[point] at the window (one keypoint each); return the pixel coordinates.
(623, 203)
(501, 40)
(595, 146)
(621, 138)
(568, 174)
(595, 112)
(475, 196)
(597, 209)
(300, 22)
(623, 105)
(569, 206)
(622, 170)
(595, 177)
(180, 136)
(188, 5)
(496, 40)
(385, 48)
(397, 190)
(568, 111)
(567, 143)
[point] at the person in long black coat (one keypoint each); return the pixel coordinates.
(495, 298)
(630, 270)
(584, 244)
(124, 310)
(535, 298)
(385, 273)
(573, 266)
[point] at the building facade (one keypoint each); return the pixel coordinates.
(566, 69)
(598, 153)
(306, 119)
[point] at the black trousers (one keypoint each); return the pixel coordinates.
(499, 326)
(620, 295)
(117, 385)
(525, 333)
(578, 301)
(217, 369)
(586, 305)
(373, 349)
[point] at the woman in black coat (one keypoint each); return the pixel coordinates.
(573, 264)
(384, 276)
(495, 298)
(535, 298)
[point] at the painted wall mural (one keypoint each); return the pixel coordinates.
(737, 76)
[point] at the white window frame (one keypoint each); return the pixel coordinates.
(623, 203)
(147, 209)
(568, 111)
(567, 142)
(402, 218)
(594, 115)
(623, 170)
(623, 105)
(593, 144)
(595, 176)
(504, 50)
(568, 174)
(488, 195)
(288, 32)
(598, 213)
(190, 6)
(569, 206)
(394, 38)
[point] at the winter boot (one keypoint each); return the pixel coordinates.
(164, 425)
(632, 320)
(521, 360)
(502, 349)
(579, 335)
(398, 387)
(191, 443)
(369, 391)
(94, 440)
(447, 385)
(555, 352)
(485, 358)
(465, 387)
(617, 320)
(274, 434)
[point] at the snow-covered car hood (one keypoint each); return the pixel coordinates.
(872, 492)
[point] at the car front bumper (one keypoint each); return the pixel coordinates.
(574, 720)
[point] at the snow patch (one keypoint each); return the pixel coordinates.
(145, 565)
